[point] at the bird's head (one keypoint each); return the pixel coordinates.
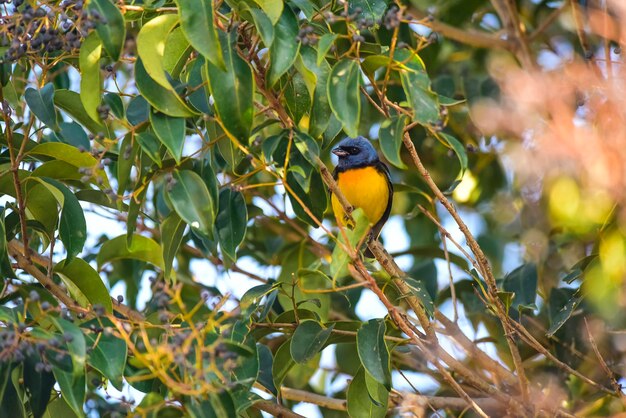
(355, 152)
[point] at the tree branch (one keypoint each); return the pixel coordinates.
(468, 37)
(16, 250)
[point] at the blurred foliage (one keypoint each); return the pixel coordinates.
(197, 127)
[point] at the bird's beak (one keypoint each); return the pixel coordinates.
(340, 152)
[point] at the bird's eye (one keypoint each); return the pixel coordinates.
(353, 150)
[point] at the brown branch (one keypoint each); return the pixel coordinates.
(16, 250)
(308, 397)
(483, 263)
(468, 37)
(275, 409)
(548, 21)
(15, 165)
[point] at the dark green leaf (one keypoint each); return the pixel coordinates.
(70, 102)
(197, 21)
(345, 96)
(263, 25)
(284, 49)
(371, 9)
(360, 405)
(171, 132)
(191, 200)
(373, 351)
(108, 355)
(523, 283)
(172, 229)
(151, 146)
(231, 221)
(390, 137)
(233, 90)
(73, 134)
(560, 312)
(84, 283)
(419, 289)
(308, 340)
(38, 386)
(323, 46)
(158, 96)
(41, 103)
(112, 30)
(6, 270)
(73, 227)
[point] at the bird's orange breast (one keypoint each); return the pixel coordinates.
(364, 188)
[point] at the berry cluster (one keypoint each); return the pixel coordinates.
(46, 28)
(307, 36)
(392, 18)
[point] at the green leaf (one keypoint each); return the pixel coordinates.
(523, 283)
(70, 155)
(416, 85)
(138, 110)
(172, 230)
(266, 362)
(272, 8)
(72, 389)
(70, 102)
(197, 21)
(112, 30)
(283, 362)
(191, 200)
(38, 385)
(171, 132)
(73, 134)
(6, 270)
(177, 51)
(151, 47)
(340, 258)
(158, 96)
(41, 103)
(73, 227)
(114, 101)
(308, 340)
(233, 90)
(231, 221)
(563, 302)
(345, 96)
(418, 289)
(84, 283)
(125, 162)
(90, 78)
(75, 344)
(297, 98)
(321, 112)
(263, 24)
(458, 148)
(284, 48)
(390, 137)
(142, 248)
(108, 355)
(373, 351)
(323, 46)
(360, 405)
(371, 9)
(151, 146)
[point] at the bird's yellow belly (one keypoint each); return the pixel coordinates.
(364, 188)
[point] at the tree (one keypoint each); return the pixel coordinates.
(202, 130)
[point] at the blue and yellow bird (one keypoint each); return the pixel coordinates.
(365, 182)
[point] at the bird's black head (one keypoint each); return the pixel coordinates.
(355, 152)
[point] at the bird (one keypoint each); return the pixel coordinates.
(365, 182)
